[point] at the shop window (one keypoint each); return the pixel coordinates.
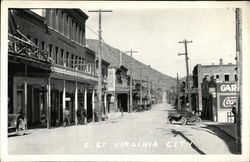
(226, 77)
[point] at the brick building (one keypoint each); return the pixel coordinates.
(73, 79)
(221, 73)
(118, 79)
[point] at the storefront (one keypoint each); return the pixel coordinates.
(226, 99)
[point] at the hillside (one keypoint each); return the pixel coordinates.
(112, 55)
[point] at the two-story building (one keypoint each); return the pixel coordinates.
(73, 78)
(221, 73)
(118, 79)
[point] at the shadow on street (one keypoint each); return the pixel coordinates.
(225, 137)
(188, 140)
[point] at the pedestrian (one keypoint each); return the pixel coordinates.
(234, 113)
(66, 117)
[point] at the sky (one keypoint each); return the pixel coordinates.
(155, 34)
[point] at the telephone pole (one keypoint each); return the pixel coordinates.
(131, 81)
(239, 76)
(99, 88)
(187, 68)
(178, 93)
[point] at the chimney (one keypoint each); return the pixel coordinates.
(120, 58)
(221, 61)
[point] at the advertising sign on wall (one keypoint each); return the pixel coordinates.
(227, 101)
(227, 87)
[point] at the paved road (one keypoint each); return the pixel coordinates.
(135, 133)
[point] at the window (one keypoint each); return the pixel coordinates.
(79, 63)
(217, 76)
(50, 50)
(67, 26)
(73, 30)
(67, 59)
(56, 56)
(62, 58)
(235, 77)
(226, 77)
(43, 45)
(57, 20)
(62, 24)
(72, 61)
(76, 61)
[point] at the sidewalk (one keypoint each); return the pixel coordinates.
(228, 128)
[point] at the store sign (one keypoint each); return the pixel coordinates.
(227, 101)
(227, 87)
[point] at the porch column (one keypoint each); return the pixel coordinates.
(32, 106)
(48, 105)
(128, 103)
(76, 103)
(105, 104)
(85, 100)
(25, 92)
(93, 105)
(64, 97)
(115, 102)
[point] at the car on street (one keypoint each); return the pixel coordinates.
(183, 116)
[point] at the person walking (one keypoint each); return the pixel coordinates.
(66, 117)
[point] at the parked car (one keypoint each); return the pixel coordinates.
(17, 123)
(183, 116)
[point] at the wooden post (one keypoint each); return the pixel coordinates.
(25, 92)
(105, 104)
(93, 105)
(85, 100)
(48, 105)
(76, 102)
(64, 98)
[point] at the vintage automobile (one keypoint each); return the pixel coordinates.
(17, 123)
(183, 116)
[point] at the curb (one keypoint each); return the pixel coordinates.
(225, 132)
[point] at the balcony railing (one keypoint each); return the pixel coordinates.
(23, 47)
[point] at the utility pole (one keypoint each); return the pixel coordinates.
(187, 68)
(99, 88)
(178, 93)
(239, 76)
(131, 81)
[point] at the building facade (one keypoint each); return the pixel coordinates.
(73, 78)
(219, 98)
(221, 73)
